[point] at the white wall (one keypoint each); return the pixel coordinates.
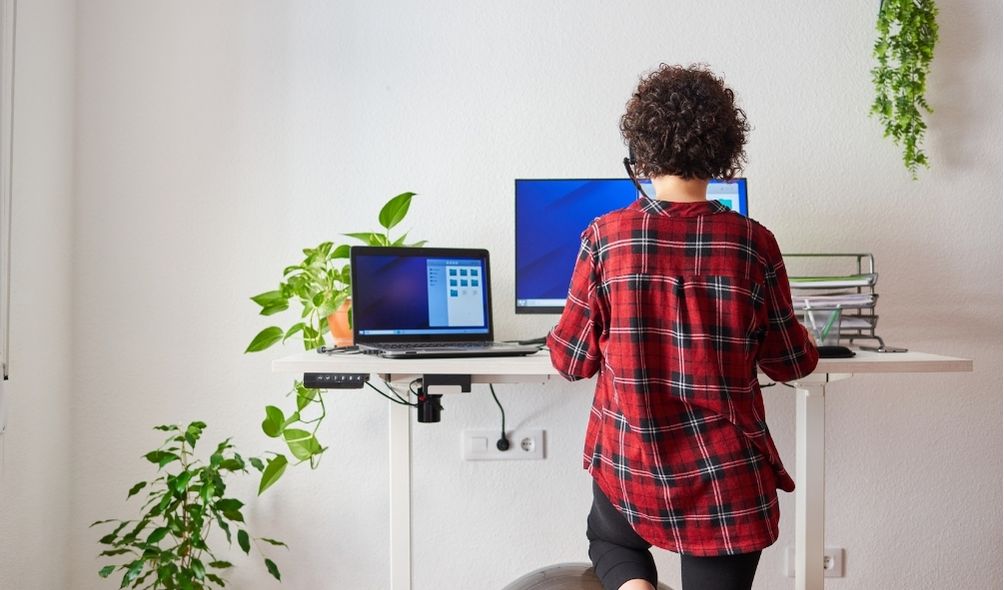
(35, 484)
(216, 139)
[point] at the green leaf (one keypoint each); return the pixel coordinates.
(228, 504)
(135, 489)
(274, 470)
(226, 528)
(198, 569)
(301, 443)
(269, 298)
(244, 541)
(167, 427)
(220, 565)
(395, 210)
(157, 535)
(264, 339)
(370, 238)
(256, 463)
(341, 251)
(274, 309)
(134, 569)
(274, 421)
(111, 552)
(161, 458)
(297, 327)
(106, 571)
(97, 522)
(272, 569)
(273, 542)
(180, 483)
(215, 579)
(304, 396)
(234, 515)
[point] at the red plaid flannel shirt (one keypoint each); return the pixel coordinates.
(675, 305)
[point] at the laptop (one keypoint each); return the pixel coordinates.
(424, 303)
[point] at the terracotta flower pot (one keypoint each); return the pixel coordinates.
(338, 322)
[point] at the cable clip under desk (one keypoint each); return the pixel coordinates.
(431, 390)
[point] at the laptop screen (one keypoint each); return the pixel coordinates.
(420, 294)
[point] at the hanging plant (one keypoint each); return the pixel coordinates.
(908, 31)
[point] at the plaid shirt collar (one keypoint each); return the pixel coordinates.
(676, 209)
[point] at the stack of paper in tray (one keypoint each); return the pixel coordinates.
(853, 294)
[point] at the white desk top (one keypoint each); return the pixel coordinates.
(539, 365)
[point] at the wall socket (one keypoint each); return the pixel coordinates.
(833, 562)
(479, 445)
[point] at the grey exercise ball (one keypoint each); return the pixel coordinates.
(563, 576)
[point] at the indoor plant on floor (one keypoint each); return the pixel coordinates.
(169, 545)
(320, 283)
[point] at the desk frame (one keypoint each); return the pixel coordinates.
(810, 430)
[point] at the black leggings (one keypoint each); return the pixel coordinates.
(619, 554)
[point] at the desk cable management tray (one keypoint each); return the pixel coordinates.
(853, 293)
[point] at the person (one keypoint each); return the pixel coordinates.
(674, 302)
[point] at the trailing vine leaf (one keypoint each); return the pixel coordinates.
(273, 471)
(907, 34)
(321, 284)
(264, 339)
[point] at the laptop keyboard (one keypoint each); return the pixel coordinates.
(425, 345)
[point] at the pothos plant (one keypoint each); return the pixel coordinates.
(908, 32)
(169, 545)
(320, 284)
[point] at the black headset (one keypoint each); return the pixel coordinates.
(629, 163)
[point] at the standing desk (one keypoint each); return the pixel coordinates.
(810, 393)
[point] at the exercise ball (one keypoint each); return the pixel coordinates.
(563, 576)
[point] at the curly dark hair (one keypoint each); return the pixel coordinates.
(685, 122)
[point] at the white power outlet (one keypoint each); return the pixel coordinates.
(833, 562)
(479, 445)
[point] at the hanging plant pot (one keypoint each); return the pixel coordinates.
(340, 326)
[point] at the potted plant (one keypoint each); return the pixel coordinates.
(908, 31)
(320, 283)
(169, 545)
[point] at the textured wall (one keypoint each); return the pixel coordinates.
(35, 485)
(216, 139)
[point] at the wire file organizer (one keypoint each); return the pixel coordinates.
(837, 281)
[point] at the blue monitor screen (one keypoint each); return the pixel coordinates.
(551, 215)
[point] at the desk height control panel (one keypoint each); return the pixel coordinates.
(335, 380)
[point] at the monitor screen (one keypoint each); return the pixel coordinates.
(551, 215)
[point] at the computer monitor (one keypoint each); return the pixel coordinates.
(551, 214)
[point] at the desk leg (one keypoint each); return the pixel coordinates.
(400, 497)
(810, 489)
